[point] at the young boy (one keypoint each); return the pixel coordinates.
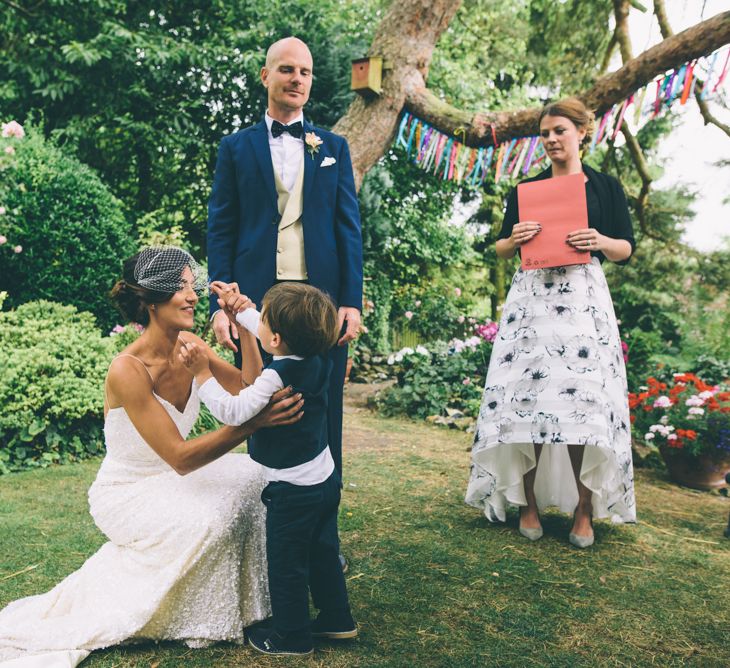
(297, 325)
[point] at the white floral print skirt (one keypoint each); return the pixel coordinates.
(556, 377)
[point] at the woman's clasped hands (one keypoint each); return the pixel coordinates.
(584, 239)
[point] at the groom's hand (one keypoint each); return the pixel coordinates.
(351, 316)
(225, 331)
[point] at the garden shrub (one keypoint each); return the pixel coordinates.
(428, 382)
(70, 227)
(53, 360)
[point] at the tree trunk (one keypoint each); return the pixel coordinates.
(406, 38)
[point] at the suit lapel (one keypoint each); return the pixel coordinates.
(311, 164)
(260, 141)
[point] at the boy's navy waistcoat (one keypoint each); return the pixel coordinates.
(294, 444)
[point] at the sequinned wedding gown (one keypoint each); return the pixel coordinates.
(186, 557)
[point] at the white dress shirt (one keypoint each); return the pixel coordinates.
(235, 410)
(286, 152)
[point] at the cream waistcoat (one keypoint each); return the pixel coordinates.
(290, 262)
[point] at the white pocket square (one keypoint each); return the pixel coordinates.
(328, 161)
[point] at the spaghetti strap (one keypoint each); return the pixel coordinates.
(140, 361)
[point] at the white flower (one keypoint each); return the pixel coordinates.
(9, 150)
(707, 394)
(664, 419)
(694, 400)
(655, 427)
(649, 436)
(13, 129)
(399, 357)
(2, 210)
(391, 359)
(696, 410)
(408, 351)
(672, 437)
(422, 350)
(662, 402)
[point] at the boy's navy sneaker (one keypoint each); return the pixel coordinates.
(270, 642)
(334, 626)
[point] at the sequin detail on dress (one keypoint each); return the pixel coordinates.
(186, 557)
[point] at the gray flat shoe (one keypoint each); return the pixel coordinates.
(532, 534)
(581, 541)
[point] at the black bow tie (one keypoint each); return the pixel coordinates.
(295, 129)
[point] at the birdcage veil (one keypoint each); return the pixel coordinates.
(160, 268)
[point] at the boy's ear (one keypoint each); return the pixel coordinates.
(275, 339)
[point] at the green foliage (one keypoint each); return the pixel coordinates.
(428, 382)
(144, 91)
(53, 361)
(409, 246)
(70, 227)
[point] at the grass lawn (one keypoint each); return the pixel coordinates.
(432, 583)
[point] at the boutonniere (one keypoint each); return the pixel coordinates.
(313, 143)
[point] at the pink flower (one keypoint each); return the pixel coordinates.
(457, 292)
(408, 314)
(13, 129)
(9, 150)
(117, 329)
(466, 381)
(460, 319)
(3, 239)
(662, 402)
(18, 249)
(3, 210)
(138, 327)
(418, 303)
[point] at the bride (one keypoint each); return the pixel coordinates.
(185, 558)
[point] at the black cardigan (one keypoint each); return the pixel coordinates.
(607, 209)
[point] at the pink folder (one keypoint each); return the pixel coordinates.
(559, 205)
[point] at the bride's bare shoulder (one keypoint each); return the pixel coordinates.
(127, 373)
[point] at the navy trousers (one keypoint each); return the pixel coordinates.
(302, 549)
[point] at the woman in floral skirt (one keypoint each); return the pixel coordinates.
(553, 428)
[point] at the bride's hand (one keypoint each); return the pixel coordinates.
(283, 408)
(230, 299)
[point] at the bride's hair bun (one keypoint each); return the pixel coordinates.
(131, 299)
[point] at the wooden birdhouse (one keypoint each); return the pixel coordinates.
(367, 75)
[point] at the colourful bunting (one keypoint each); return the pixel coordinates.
(450, 159)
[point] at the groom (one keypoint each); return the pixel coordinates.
(284, 208)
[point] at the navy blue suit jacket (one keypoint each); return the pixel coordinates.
(243, 217)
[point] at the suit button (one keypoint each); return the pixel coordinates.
(275, 220)
(278, 250)
(279, 272)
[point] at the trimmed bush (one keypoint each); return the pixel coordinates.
(70, 227)
(53, 360)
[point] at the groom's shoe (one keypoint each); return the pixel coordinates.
(343, 563)
(334, 626)
(270, 642)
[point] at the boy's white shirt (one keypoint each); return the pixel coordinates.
(237, 409)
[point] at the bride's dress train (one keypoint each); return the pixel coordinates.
(186, 557)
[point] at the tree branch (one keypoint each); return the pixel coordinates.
(666, 29)
(696, 41)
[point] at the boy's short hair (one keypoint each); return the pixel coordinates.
(304, 317)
